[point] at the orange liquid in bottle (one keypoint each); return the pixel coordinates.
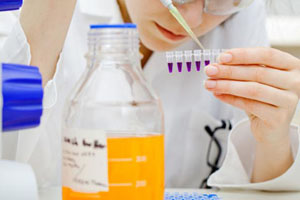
(136, 170)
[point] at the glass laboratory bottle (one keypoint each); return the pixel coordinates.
(113, 143)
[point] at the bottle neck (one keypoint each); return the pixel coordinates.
(114, 43)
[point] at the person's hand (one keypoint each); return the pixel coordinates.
(265, 83)
(262, 81)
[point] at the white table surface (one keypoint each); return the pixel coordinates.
(55, 194)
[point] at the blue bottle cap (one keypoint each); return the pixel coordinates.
(120, 26)
(22, 97)
(6, 5)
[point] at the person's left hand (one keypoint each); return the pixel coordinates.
(265, 83)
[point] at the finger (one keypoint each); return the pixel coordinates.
(261, 56)
(268, 76)
(263, 111)
(252, 90)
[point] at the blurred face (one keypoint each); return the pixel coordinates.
(159, 30)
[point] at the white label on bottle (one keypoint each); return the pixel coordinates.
(85, 165)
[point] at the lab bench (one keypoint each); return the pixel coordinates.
(55, 194)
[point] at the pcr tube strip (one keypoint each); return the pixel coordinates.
(189, 58)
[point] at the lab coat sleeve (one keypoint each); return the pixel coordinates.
(237, 167)
(16, 49)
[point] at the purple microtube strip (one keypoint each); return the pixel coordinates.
(179, 65)
(207, 62)
(170, 66)
(189, 66)
(198, 65)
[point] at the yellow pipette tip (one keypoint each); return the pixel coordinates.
(176, 14)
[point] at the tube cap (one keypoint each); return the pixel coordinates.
(22, 97)
(6, 5)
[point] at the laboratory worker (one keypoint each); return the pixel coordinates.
(227, 126)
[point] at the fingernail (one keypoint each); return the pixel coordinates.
(210, 84)
(225, 58)
(211, 70)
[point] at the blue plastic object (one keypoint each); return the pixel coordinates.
(126, 25)
(22, 97)
(190, 196)
(6, 5)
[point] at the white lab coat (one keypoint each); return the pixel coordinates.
(188, 106)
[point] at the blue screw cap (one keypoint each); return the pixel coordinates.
(119, 26)
(22, 97)
(6, 5)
